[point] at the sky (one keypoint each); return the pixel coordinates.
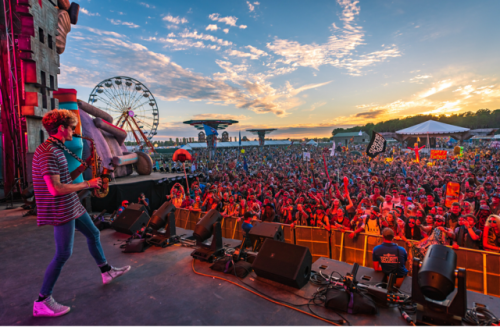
(302, 67)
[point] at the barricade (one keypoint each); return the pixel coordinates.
(314, 238)
(483, 267)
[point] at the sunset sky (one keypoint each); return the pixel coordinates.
(303, 67)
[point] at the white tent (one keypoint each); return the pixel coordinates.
(432, 127)
(312, 142)
(186, 147)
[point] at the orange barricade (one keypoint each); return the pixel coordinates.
(314, 238)
(483, 267)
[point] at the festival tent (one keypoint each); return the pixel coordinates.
(312, 142)
(433, 128)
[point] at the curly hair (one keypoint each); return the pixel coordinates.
(57, 117)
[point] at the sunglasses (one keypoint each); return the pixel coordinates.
(73, 128)
(493, 221)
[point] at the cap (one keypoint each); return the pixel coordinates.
(124, 202)
(409, 198)
(376, 209)
(313, 190)
(484, 207)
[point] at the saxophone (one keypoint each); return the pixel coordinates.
(95, 164)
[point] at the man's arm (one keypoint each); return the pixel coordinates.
(56, 188)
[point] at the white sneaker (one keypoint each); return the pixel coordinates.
(49, 308)
(108, 276)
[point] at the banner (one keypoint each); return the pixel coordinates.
(452, 193)
(439, 154)
(377, 145)
(306, 156)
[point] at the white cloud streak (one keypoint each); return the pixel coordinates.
(86, 12)
(175, 20)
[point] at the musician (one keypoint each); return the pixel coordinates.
(58, 205)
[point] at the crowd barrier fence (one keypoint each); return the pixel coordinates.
(483, 267)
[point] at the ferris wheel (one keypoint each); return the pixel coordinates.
(132, 106)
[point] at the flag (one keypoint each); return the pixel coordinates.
(210, 130)
(377, 145)
(418, 139)
(404, 171)
(245, 165)
(240, 139)
(360, 133)
(332, 152)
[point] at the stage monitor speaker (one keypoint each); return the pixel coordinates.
(131, 220)
(284, 263)
(263, 231)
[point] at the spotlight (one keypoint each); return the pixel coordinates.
(207, 226)
(163, 218)
(433, 286)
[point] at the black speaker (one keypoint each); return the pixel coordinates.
(263, 231)
(283, 263)
(132, 219)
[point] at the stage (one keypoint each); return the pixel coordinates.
(160, 289)
(155, 186)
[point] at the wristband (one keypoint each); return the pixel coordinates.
(88, 184)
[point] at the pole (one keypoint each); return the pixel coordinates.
(185, 175)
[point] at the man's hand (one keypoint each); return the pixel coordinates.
(351, 235)
(96, 182)
(88, 161)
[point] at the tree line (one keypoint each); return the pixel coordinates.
(483, 118)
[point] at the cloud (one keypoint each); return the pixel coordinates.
(86, 12)
(255, 53)
(226, 30)
(250, 6)
(438, 87)
(147, 5)
(371, 114)
(419, 79)
(169, 81)
(243, 26)
(338, 51)
(229, 20)
(176, 44)
(221, 116)
(211, 27)
(315, 106)
(119, 22)
(175, 20)
(207, 37)
(99, 32)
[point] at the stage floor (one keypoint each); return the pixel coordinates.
(161, 288)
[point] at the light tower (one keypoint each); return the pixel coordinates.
(216, 124)
(262, 134)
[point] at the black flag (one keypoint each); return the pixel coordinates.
(377, 145)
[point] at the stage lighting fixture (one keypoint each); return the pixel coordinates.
(163, 218)
(433, 287)
(207, 226)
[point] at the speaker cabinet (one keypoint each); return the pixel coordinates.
(284, 263)
(263, 231)
(132, 219)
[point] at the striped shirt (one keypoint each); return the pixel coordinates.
(53, 210)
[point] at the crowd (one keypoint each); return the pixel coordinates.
(358, 194)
